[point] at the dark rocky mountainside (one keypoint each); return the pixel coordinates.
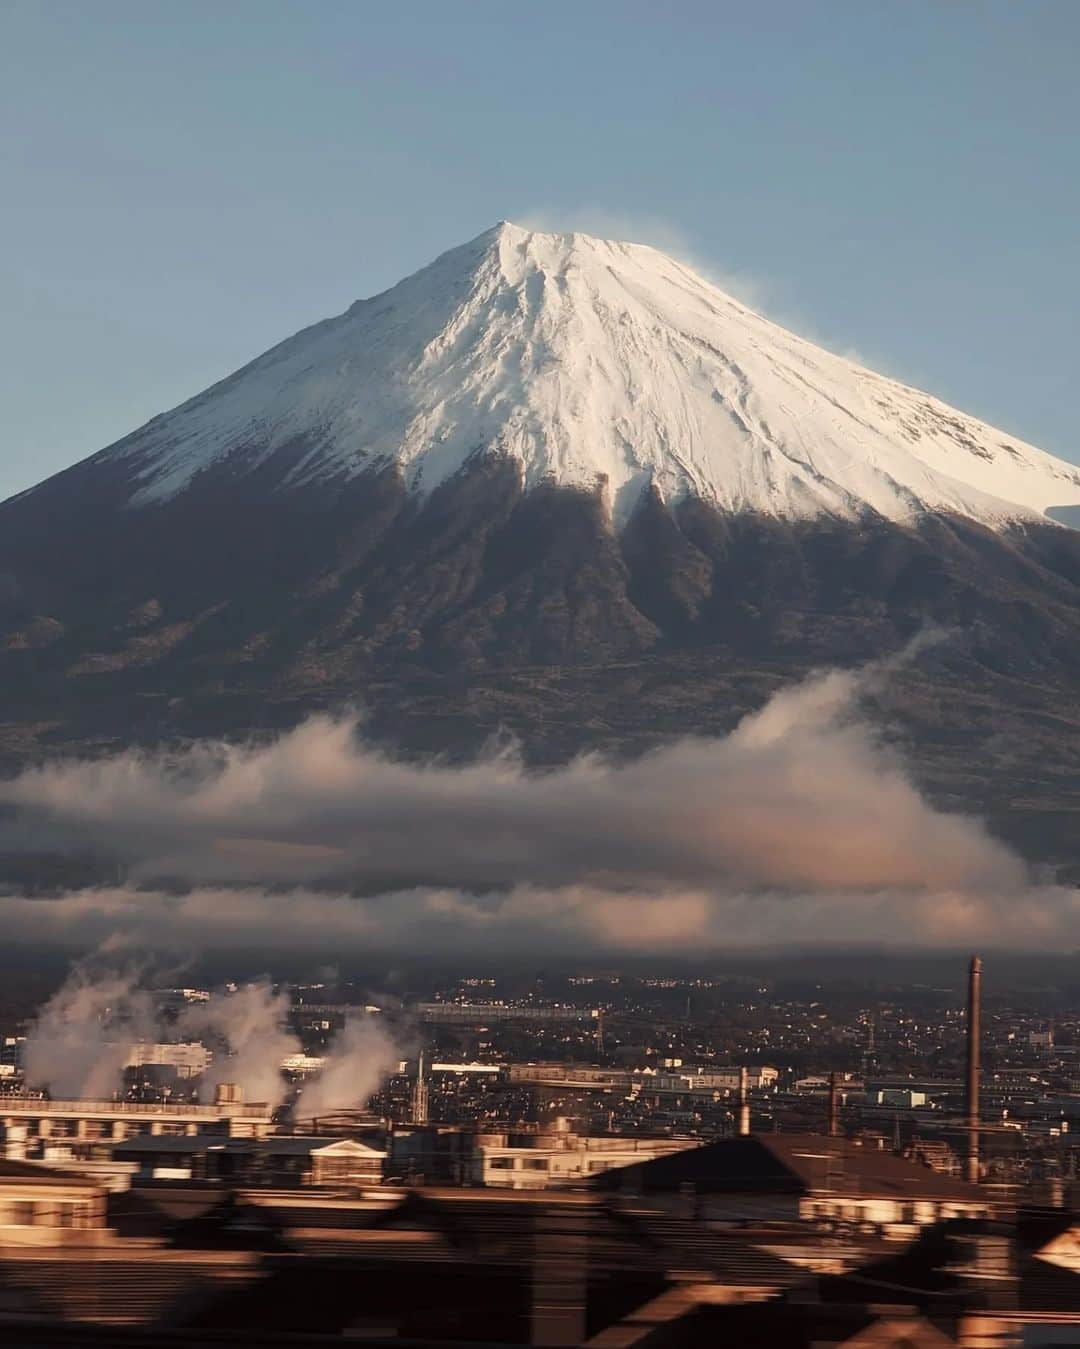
(235, 608)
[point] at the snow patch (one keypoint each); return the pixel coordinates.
(591, 361)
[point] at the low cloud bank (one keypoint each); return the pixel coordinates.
(801, 796)
(579, 921)
(800, 827)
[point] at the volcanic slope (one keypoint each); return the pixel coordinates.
(564, 486)
(586, 362)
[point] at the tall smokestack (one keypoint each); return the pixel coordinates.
(834, 1106)
(744, 1103)
(974, 1027)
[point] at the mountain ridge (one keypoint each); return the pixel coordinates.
(588, 363)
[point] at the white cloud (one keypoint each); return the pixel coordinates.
(800, 827)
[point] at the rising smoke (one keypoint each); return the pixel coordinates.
(84, 1036)
(246, 1030)
(362, 1055)
(85, 1033)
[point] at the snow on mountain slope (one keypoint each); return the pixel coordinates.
(592, 361)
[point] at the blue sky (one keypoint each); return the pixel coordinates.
(182, 185)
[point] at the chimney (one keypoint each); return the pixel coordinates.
(744, 1104)
(974, 1018)
(834, 1106)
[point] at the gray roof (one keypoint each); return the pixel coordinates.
(158, 1143)
(795, 1164)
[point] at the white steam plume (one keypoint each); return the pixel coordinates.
(359, 1059)
(84, 1035)
(246, 1030)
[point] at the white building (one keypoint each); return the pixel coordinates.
(468, 1069)
(188, 1058)
(537, 1161)
(302, 1064)
(900, 1097)
(691, 1081)
(683, 1081)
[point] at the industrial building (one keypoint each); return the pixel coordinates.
(518, 1158)
(281, 1160)
(45, 1119)
(559, 1157)
(654, 1082)
(481, 1013)
(187, 1059)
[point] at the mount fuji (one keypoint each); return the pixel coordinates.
(590, 364)
(562, 486)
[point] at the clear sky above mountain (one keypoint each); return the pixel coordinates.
(181, 186)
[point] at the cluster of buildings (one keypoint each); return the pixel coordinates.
(778, 1240)
(635, 1198)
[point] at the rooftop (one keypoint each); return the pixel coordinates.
(791, 1164)
(39, 1172)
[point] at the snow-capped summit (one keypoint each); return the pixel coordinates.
(594, 362)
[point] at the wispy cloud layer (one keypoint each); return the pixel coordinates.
(800, 827)
(572, 921)
(800, 796)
